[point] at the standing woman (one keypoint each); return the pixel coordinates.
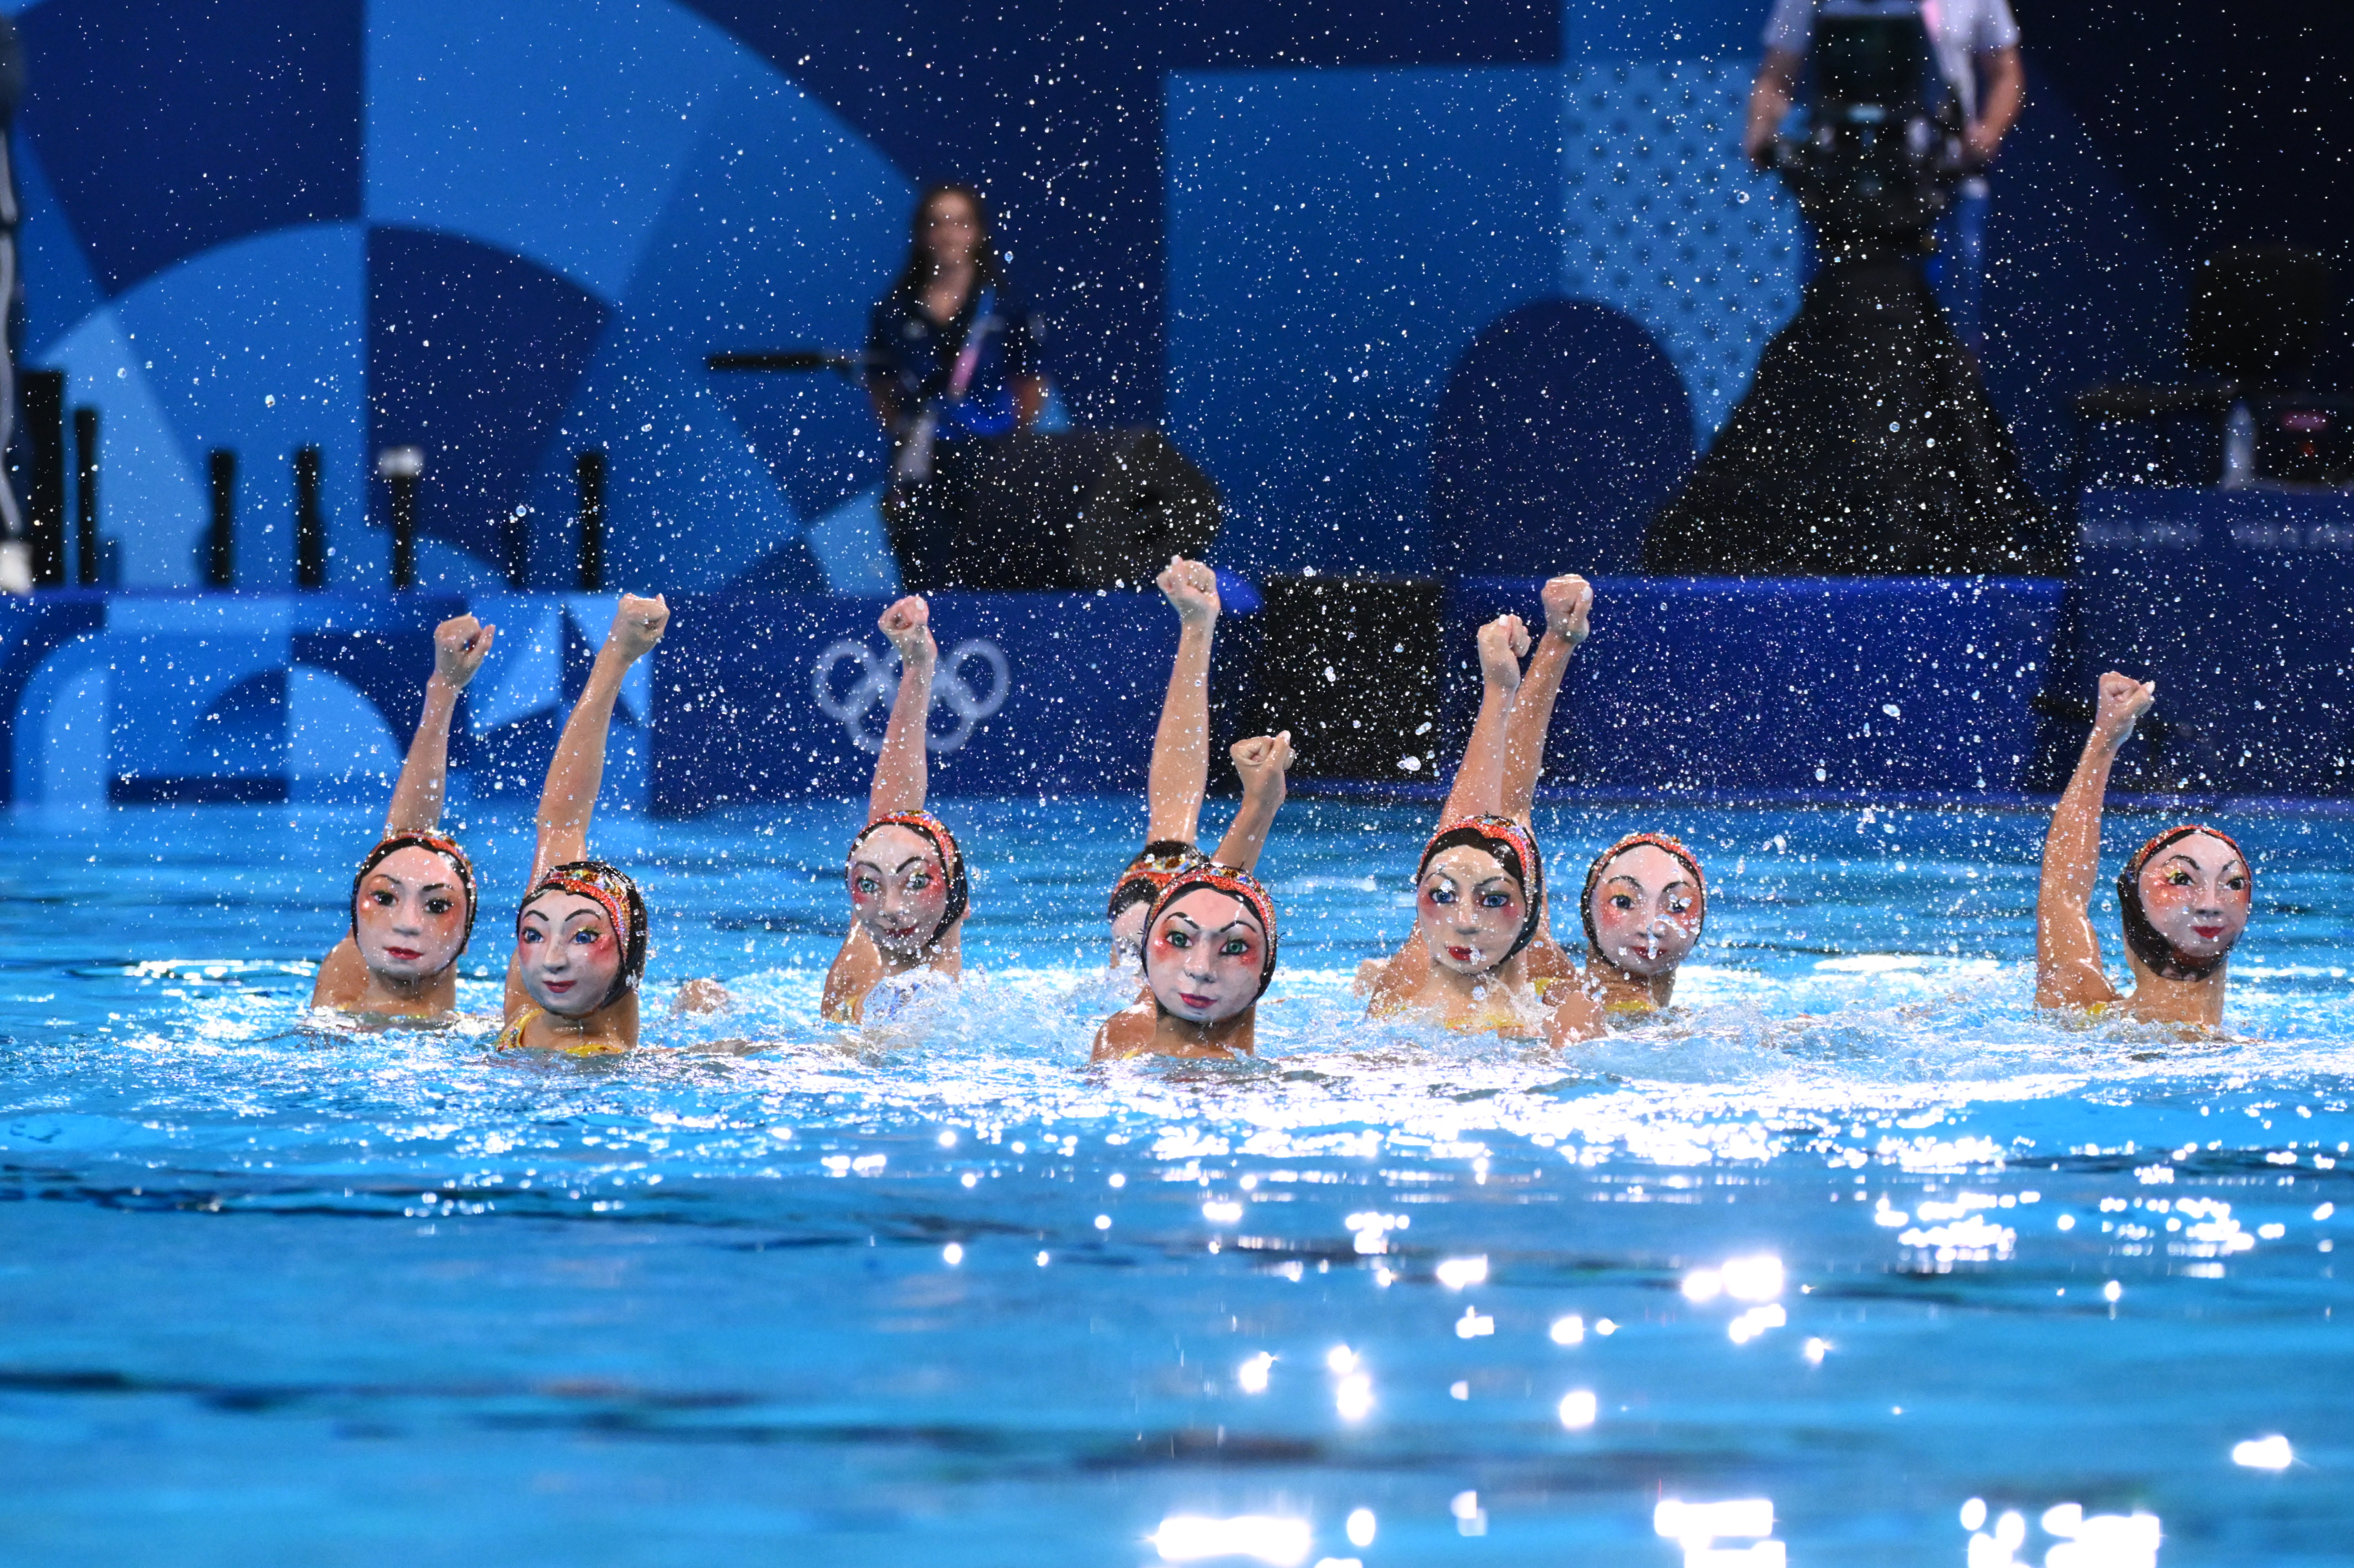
(1645, 897)
(1479, 891)
(951, 361)
(580, 933)
(2183, 897)
(908, 895)
(413, 897)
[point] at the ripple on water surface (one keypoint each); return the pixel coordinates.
(1852, 1233)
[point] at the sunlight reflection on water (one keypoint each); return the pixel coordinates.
(1852, 1205)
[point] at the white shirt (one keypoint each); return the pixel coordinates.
(1958, 30)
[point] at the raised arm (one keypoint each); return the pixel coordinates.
(460, 644)
(1479, 780)
(1180, 746)
(1261, 761)
(1769, 100)
(2067, 951)
(577, 769)
(901, 768)
(1998, 106)
(1568, 600)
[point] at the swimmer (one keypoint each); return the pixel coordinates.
(1181, 761)
(1644, 898)
(1209, 935)
(413, 898)
(580, 933)
(2183, 897)
(1480, 889)
(908, 896)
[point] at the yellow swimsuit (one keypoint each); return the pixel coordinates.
(511, 1039)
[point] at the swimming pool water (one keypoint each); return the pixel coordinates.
(272, 1293)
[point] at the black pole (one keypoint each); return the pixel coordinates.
(43, 406)
(310, 527)
(590, 471)
(403, 531)
(220, 563)
(514, 545)
(401, 467)
(85, 423)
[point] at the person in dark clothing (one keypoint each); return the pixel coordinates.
(952, 362)
(1867, 444)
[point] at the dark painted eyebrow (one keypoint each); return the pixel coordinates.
(1244, 919)
(1622, 876)
(388, 876)
(1239, 923)
(2193, 865)
(878, 865)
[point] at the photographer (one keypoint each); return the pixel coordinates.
(1866, 444)
(1971, 40)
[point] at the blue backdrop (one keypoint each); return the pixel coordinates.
(1291, 230)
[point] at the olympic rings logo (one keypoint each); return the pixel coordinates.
(874, 681)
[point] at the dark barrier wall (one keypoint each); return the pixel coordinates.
(2238, 605)
(1790, 688)
(764, 698)
(1850, 689)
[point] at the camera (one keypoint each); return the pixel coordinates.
(1882, 148)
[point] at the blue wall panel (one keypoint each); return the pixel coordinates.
(1269, 183)
(552, 129)
(169, 128)
(254, 345)
(1336, 239)
(474, 355)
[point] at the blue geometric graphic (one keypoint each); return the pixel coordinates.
(169, 128)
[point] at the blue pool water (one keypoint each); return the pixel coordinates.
(946, 1295)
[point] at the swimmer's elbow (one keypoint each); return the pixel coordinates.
(2063, 987)
(702, 996)
(1575, 1025)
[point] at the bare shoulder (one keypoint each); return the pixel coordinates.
(1391, 983)
(1128, 1033)
(1547, 962)
(343, 977)
(1396, 987)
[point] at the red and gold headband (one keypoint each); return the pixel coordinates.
(1235, 883)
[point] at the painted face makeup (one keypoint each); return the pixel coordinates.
(1205, 955)
(567, 953)
(409, 917)
(1471, 910)
(899, 889)
(1645, 911)
(2196, 893)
